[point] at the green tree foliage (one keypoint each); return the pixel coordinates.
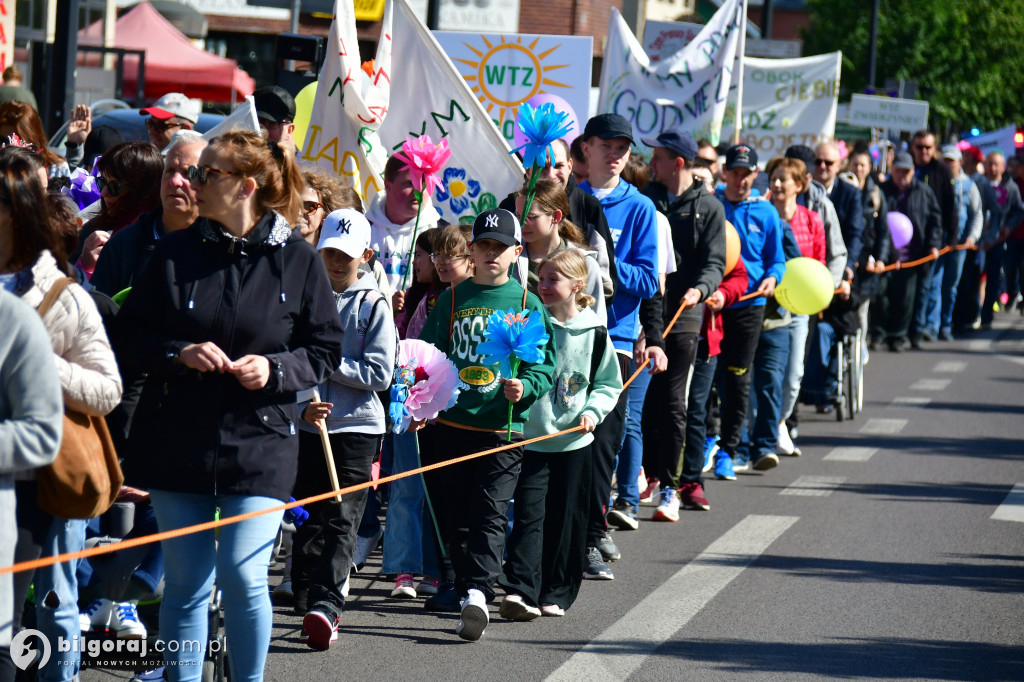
(965, 56)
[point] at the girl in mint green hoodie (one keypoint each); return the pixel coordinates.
(547, 548)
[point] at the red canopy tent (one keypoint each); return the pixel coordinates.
(173, 64)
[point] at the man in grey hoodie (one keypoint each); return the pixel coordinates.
(31, 421)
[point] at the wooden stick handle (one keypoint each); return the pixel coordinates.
(332, 471)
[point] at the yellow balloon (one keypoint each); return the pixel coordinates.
(732, 247)
(806, 288)
(303, 110)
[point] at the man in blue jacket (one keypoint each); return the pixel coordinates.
(760, 230)
(607, 139)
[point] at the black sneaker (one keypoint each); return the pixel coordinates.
(623, 516)
(597, 569)
(321, 628)
(446, 600)
(609, 550)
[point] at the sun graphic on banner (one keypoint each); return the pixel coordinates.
(508, 74)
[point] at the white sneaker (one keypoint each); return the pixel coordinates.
(124, 620)
(551, 611)
(514, 608)
(474, 616)
(785, 445)
(668, 509)
(96, 616)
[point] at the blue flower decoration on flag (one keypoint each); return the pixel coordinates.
(541, 127)
(456, 190)
(513, 335)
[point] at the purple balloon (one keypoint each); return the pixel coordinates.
(560, 104)
(901, 229)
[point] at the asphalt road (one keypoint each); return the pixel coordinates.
(878, 554)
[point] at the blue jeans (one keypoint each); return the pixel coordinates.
(631, 454)
(696, 414)
(922, 292)
(795, 367)
(239, 559)
(820, 384)
(770, 362)
(57, 613)
(408, 527)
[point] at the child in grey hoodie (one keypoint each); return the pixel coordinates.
(355, 422)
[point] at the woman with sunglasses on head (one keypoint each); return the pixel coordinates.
(32, 263)
(129, 184)
(230, 318)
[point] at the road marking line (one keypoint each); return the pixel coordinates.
(930, 384)
(883, 426)
(664, 611)
(951, 366)
(910, 401)
(813, 486)
(850, 454)
(1012, 508)
(979, 344)
(1011, 358)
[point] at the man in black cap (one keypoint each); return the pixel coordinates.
(697, 221)
(914, 199)
(607, 140)
(275, 110)
(760, 230)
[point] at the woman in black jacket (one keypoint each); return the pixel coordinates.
(230, 318)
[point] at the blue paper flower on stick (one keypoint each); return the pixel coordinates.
(541, 127)
(512, 337)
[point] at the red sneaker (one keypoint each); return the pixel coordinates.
(691, 496)
(650, 493)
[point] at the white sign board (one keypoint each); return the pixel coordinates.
(868, 111)
(662, 39)
(774, 49)
(505, 70)
(1001, 140)
(787, 102)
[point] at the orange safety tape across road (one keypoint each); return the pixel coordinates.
(209, 525)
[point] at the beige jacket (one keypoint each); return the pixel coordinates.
(85, 363)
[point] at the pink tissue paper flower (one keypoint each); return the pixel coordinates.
(439, 390)
(424, 160)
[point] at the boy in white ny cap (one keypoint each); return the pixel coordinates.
(355, 424)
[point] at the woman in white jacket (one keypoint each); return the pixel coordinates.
(31, 262)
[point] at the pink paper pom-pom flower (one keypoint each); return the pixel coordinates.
(429, 396)
(424, 160)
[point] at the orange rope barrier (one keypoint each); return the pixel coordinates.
(210, 525)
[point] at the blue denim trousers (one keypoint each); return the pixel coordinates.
(820, 383)
(239, 559)
(770, 362)
(631, 454)
(56, 590)
(795, 366)
(408, 527)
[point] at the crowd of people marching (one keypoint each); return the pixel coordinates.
(216, 282)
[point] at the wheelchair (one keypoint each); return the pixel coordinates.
(849, 398)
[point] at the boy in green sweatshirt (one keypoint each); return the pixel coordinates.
(471, 498)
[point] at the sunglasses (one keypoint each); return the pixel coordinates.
(157, 124)
(203, 173)
(113, 188)
(311, 206)
(824, 162)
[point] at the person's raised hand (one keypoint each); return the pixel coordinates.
(79, 124)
